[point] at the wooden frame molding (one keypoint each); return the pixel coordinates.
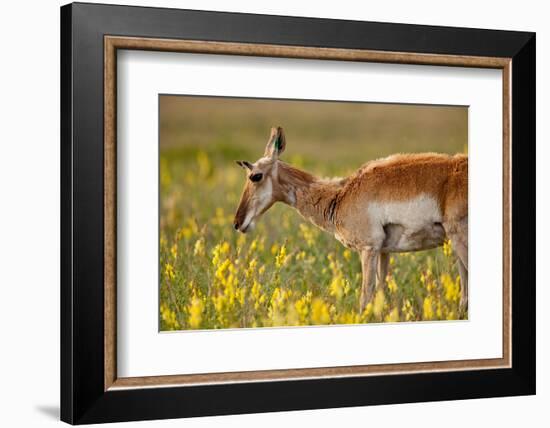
(113, 43)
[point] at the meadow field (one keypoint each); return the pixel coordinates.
(286, 272)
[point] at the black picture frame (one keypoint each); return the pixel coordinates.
(83, 399)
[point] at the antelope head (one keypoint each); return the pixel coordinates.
(262, 188)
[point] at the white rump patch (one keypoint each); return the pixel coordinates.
(413, 214)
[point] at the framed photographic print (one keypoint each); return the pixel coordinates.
(320, 213)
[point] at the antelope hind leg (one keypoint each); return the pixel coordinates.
(383, 262)
(457, 232)
(369, 258)
(463, 286)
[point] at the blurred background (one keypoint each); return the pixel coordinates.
(332, 137)
(286, 271)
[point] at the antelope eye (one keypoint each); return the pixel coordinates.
(256, 177)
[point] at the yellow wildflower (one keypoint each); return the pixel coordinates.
(392, 285)
(428, 308)
(393, 316)
(292, 316)
(195, 312)
(281, 258)
(279, 297)
(241, 295)
(184, 232)
(169, 271)
(277, 309)
(367, 313)
(219, 251)
(447, 247)
(302, 307)
(348, 318)
(379, 303)
(407, 310)
(347, 254)
(336, 287)
(319, 312)
(198, 250)
(169, 317)
(220, 271)
(251, 268)
(451, 315)
(452, 288)
(256, 293)
(192, 228)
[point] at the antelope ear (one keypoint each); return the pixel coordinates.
(244, 164)
(276, 144)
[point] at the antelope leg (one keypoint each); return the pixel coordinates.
(383, 262)
(463, 286)
(457, 232)
(369, 258)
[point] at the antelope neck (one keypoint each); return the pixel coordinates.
(316, 199)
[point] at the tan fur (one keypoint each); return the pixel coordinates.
(405, 202)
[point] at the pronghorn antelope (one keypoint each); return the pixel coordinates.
(405, 202)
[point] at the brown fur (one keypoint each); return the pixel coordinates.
(403, 176)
